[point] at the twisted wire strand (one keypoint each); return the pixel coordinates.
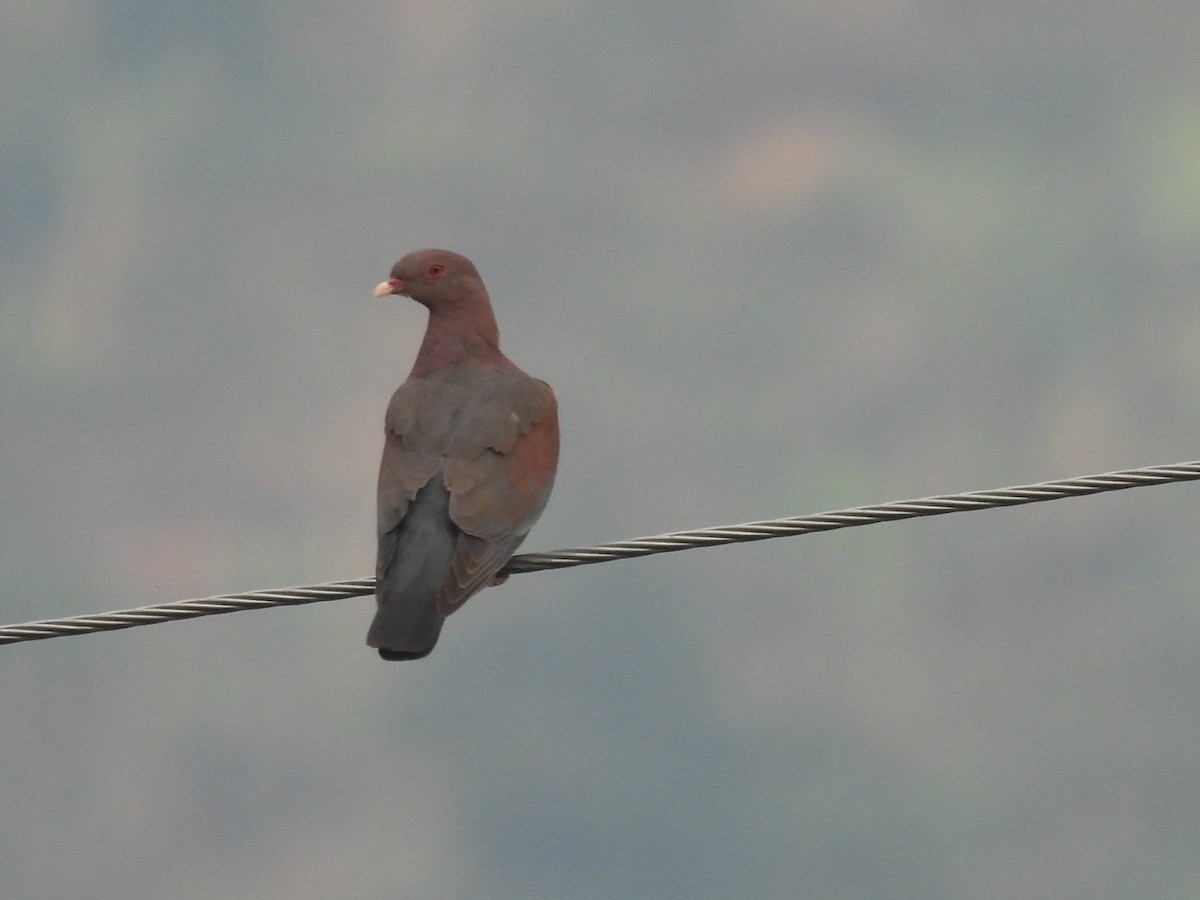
(645, 546)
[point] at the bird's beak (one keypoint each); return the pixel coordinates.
(391, 286)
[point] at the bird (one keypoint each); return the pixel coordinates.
(469, 458)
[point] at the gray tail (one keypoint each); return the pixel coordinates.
(414, 559)
(396, 655)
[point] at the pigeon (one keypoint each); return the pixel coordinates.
(469, 457)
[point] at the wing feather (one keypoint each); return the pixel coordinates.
(493, 436)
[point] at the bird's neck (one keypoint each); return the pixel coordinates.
(453, 337)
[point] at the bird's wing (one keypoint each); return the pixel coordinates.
(493, 436)
(499, 470)
(418, 425)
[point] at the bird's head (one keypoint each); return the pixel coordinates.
(434, 278)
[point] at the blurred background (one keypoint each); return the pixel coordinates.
(776, 258)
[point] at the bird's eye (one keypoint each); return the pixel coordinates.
(436, 269)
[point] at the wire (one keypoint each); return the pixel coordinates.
(646, 546)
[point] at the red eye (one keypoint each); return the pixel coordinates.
(436, 269)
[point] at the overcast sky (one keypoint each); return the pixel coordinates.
(775, 258)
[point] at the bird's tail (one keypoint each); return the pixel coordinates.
(420, 644)
(414, 558)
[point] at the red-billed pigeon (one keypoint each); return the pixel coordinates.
(469, 458)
